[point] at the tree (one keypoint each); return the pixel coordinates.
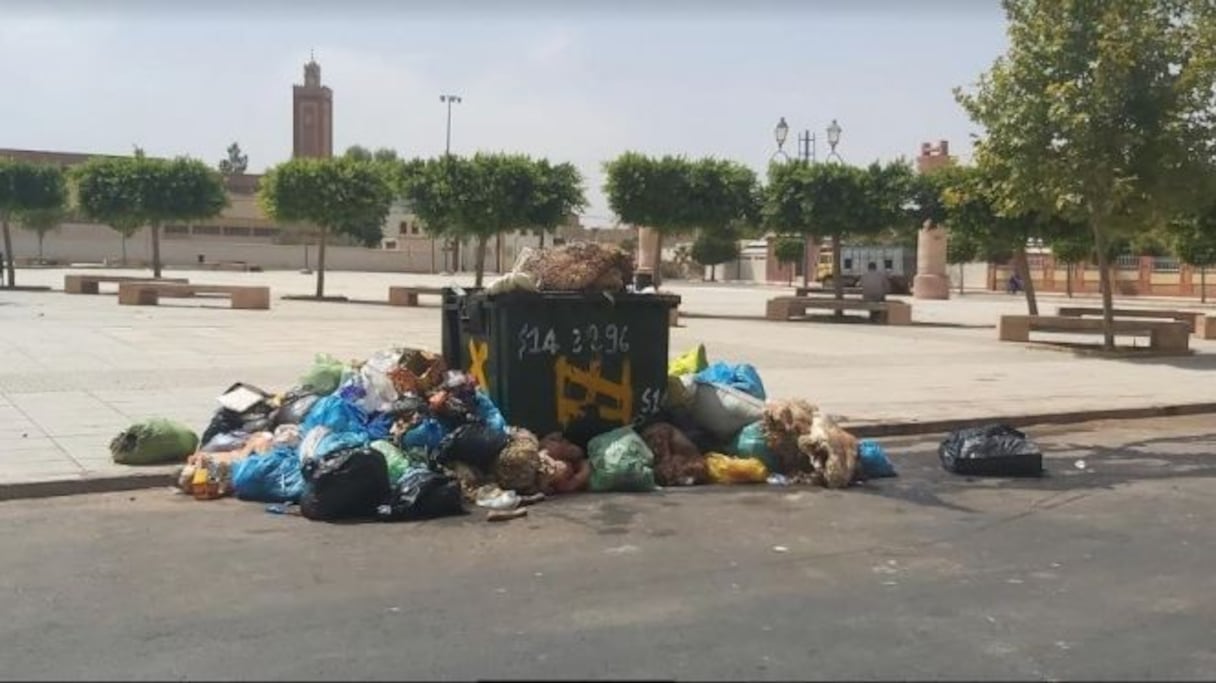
(712, 248)
(358, 153)
(653, 193)
(26, 187)
(559, 194)
(126, 229)
(961, 249)
(385, 155)
(1194, 240)
(1101, 111)
(42, 221)
(1071, 250)
(343, 195)
(236, 163)
(789, 251)
(127, 191)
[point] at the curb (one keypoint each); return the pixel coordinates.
(163, 477)
(872, 430)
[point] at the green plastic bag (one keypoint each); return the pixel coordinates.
(621, 461)
(690, 362)
(750, 443)
(399, 462)
(324, 376)
(152, 442)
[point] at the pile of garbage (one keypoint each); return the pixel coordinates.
(400, 436)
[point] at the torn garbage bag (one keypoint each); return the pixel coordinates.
(741, 376)
(336, 414)
(273, 477)
(874, 461)
(324, 376)
(295, 408)
(620, 461)
(724, 410)
(348, 484)
(427, 435)
(422, 494)
(153, 441)
(991, 451)
(752, 442)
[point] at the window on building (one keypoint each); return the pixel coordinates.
(1166, 264)
(206, 230)
(414, 229)
(848, 264)
(1127, 262)
(403, 228)
(888, 264)
(390, 244)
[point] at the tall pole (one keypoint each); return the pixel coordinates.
(806, 150)
(447, 151)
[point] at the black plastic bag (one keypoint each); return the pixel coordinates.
(991, 451)
(223, 421)
(347, 484)
(294, 409)
(422, 494)
(474, 444)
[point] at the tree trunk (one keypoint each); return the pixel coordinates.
(8, 253)
(1203, 284)
(1104, 278)
(806, 265)
(542, 239)
(960, 278)
(321, 239)
(1032, 304)
(837, 272)
(658, 259)
(41, 236)
(498, 253)
(155, 250)
(124, 249)
(481, 259)
(1068, 280)
(713, 273)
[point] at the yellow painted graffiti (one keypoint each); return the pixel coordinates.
(579, 388)
(479, 351)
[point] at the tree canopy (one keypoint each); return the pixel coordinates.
(26, 187)
(235, 163)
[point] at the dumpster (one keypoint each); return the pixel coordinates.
(574, 362)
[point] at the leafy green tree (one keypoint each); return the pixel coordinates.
(235, 163)
(1071, 250)
(343, 195)
(26, 187)
(1101, 111)
(1194, 241)
(653, 193)
(559, 193)
(42, 221)
(126, 229)
(358, 153)
(713, 248)
(789, 250)
(137, 190)
(962, 248)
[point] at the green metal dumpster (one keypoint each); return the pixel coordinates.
(578, 363)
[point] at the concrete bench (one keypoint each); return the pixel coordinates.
(408, 296)
(1195, 321)
(1164, 335)
(825, 291)
(90, 284)
(889, 312)
(148, 294)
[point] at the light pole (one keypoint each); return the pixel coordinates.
(780, 133)
(449, 99)
(806, 146)
(834, 131)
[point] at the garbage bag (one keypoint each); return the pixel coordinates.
(208, 476)
(375, 379)
(223, 421)
(321, 442)
(832, 453)
(723, 469)
(585, 266)
(620, 461)
(428, 434)
(741, 376)
(324, 376)
(488, 412)
(273, 477)
(397, 460)
(564, 466)
(690, 362)
(422, 494)
(475, 444)
(153, 441)
(517, 467)
(751, 442)
(874, 461)
(229, 441)
(677, 461)
(418, 372)
(784, 422)
(724, 410)
(995, 450)
(336, 414)
(295, 409)
(348, 484)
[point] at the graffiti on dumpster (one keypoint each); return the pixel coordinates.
(608, 339)
(479, 351)
(580, 391)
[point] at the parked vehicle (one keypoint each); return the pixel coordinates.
(899, 263)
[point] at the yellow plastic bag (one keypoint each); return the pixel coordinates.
(724, 469)
(690, 362)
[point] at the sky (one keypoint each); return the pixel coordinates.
(578, 81)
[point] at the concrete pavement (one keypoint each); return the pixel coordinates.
(80, 368)
(1099, 571)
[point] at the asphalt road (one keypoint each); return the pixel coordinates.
(1100, 572)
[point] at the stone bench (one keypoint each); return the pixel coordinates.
(1164, 335)
(148, 294)
(90, 284)
(889, 312)
(408, 296)
(825, 291)
(1197, 322)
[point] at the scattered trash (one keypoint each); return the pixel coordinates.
(504, 515)
(495, 498)
(1080, 464)
(777, 480)
(723, 469)
(153, 441)
(992, 451)
(780, 549)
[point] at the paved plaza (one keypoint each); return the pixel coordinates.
(78, 369)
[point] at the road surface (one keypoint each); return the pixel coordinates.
(1102, 570)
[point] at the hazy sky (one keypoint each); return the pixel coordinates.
(576, 81)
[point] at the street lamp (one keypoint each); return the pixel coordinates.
(781, 132)
(834, 139)
(449, 99)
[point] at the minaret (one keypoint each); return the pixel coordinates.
(312, 115)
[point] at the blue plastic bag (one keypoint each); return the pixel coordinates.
(741, 376)
(489, 413)
(272, 477)
(427, 435)
(874, 461)
(337, 414)
(750, 443)
(339, 441)
(379, 425)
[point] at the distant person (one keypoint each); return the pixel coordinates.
(1014, 285)
(874, 287)
(3, 268)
